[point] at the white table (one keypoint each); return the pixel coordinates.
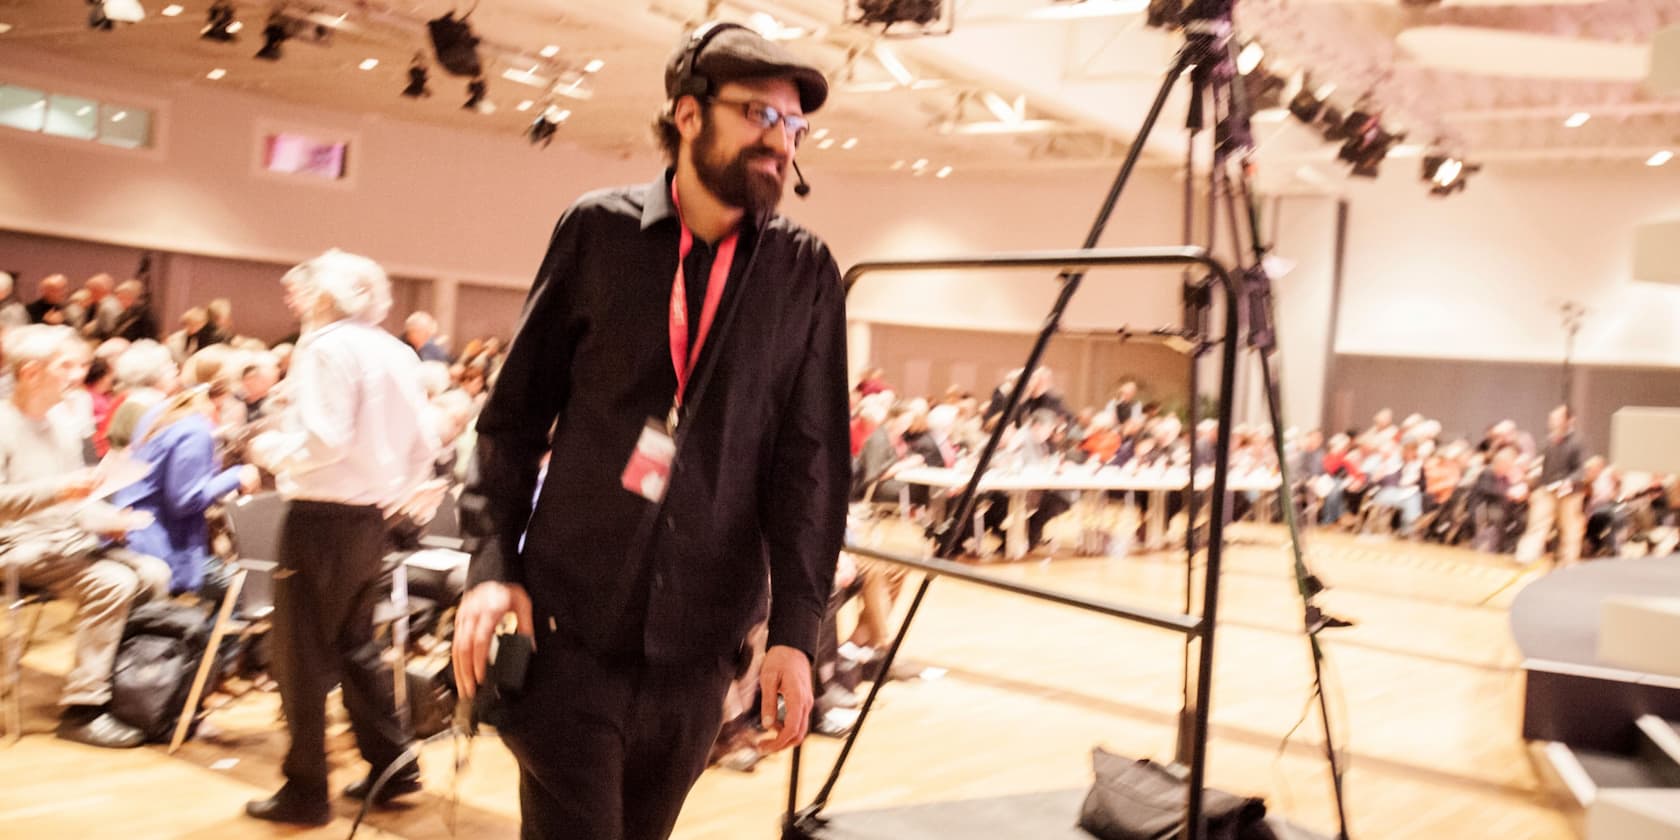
(1092, 485)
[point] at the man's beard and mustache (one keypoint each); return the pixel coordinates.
(734, 181)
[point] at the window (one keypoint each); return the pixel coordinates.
(290, 153)
(75, 117)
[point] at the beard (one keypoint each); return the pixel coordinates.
(733, 180)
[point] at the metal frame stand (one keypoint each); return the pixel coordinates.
(1208, 59)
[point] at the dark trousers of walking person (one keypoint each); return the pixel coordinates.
(609, 746)
(324, 597)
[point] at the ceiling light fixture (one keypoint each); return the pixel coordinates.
(104, 15)
(1087, 9)
(850, 144)
(1659, 158)
(594, 66)
(4, 28)
(1577, 119)
(216, 74)
(525, 77)
(944, 172)
(119, 116)
(895, 68)
(1249, 59)
(549, 51)
(172, 10)
(896, 165)
(524, 105)
(369, 63)
(827, 143)
(920, 164)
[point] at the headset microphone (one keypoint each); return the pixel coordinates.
(801, 188)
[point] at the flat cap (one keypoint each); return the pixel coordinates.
(738, 53)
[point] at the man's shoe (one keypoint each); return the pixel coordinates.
(400, 785)
(94, 726)
(287, 808)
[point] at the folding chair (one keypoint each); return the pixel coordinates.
(255, 522)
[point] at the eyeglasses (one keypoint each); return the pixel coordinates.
(769, 116)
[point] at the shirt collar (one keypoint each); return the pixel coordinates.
(657, 206)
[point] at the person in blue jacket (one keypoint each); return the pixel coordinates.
(176, 438)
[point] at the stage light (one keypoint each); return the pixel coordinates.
(1446, 173)
(417, 77)
(476, 90)
(456, 46)
(220, 22)
(542, 129)
(1308, 104)
(275, 33)
(889, 12)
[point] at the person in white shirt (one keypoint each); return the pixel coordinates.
(353, 446)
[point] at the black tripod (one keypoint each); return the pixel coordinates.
(1208, 58)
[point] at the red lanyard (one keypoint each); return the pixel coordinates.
(683, 358)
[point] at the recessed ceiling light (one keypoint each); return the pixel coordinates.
(819, 134)
(215, 74)
(4, 28)
(851, 143)
(369, 63)
(84, 110)
(1660, 158)
(896, 165)
(549, 51)
(235, 27)
(594, 65)
(172, 10)
(119, 116)
(920, 164)
(827, 143)
(1577, 119)
(944, 172)
(524, 105)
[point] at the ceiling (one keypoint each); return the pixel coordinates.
(1007, 89)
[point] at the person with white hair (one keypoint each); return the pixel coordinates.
(352, 445)
(420, 332)
(64, 549)
(12, 311)
(146, 374)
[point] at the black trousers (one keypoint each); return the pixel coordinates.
(324, 596)
(608, 749)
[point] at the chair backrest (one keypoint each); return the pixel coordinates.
(447, 521)
(256, 522)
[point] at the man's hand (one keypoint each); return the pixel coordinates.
(787, 675)
(78, 485)
(481, 610)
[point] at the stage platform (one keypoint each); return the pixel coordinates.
(1428, 690)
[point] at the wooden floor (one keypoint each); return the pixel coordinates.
(1426, 696)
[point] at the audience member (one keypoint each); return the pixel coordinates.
(74, 553)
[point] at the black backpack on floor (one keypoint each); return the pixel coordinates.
(162, 646)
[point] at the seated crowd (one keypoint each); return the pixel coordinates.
(1500, 493)
(85, 381)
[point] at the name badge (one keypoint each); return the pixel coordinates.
(649, 468)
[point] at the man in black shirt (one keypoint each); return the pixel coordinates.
(686, 346)
(1558, 495)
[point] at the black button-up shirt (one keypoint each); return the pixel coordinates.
(757, 492)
